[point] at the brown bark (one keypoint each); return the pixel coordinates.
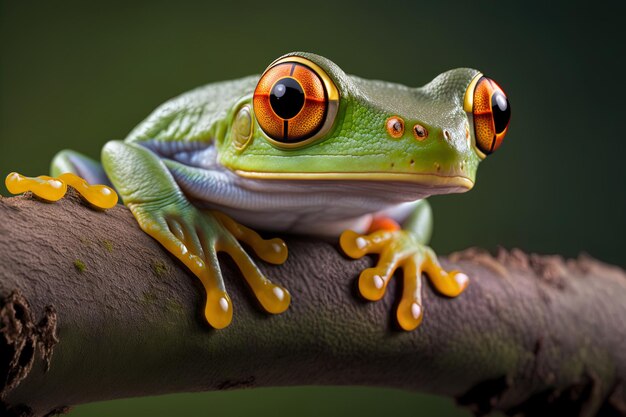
(94, 309)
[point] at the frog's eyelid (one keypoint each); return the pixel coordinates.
(468, 106)
(468, 101)
(329, 85)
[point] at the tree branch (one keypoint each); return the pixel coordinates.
(94, 309)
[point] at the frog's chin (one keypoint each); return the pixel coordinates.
(437, 183)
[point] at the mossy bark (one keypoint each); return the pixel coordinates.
(531, 335)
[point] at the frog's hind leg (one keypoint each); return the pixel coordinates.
(81, 165)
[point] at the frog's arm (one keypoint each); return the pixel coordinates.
(402, 247)
(193, 236)
(136, 169)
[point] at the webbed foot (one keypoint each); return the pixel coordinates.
(195, 237)
(401, 249)
(52, 189)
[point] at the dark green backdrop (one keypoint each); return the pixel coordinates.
(75, 74)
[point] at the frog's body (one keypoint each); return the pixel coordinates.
(342, 159)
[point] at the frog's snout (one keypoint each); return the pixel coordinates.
(450, 154)
(454, 160)
(438, 155)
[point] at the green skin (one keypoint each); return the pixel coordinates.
(153, 180)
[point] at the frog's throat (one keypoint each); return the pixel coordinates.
(456, 182)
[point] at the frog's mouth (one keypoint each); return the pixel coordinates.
(441, 183)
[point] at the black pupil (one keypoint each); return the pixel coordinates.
(287, 98)
(501, 111)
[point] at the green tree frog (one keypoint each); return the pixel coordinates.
(304, 148)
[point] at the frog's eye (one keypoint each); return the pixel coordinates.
(491, 112)
(295, 102)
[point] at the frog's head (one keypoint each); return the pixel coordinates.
(308, 120)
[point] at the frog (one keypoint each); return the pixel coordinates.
(304, 148)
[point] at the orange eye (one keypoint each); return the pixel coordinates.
(292, 103)
(492, 113)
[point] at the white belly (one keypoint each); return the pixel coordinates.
(322, 208)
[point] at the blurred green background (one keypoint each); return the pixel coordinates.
(76, 74)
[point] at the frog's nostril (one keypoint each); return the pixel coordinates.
(446, 135)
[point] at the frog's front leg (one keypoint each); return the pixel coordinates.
(192, 235)
(402, 248)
